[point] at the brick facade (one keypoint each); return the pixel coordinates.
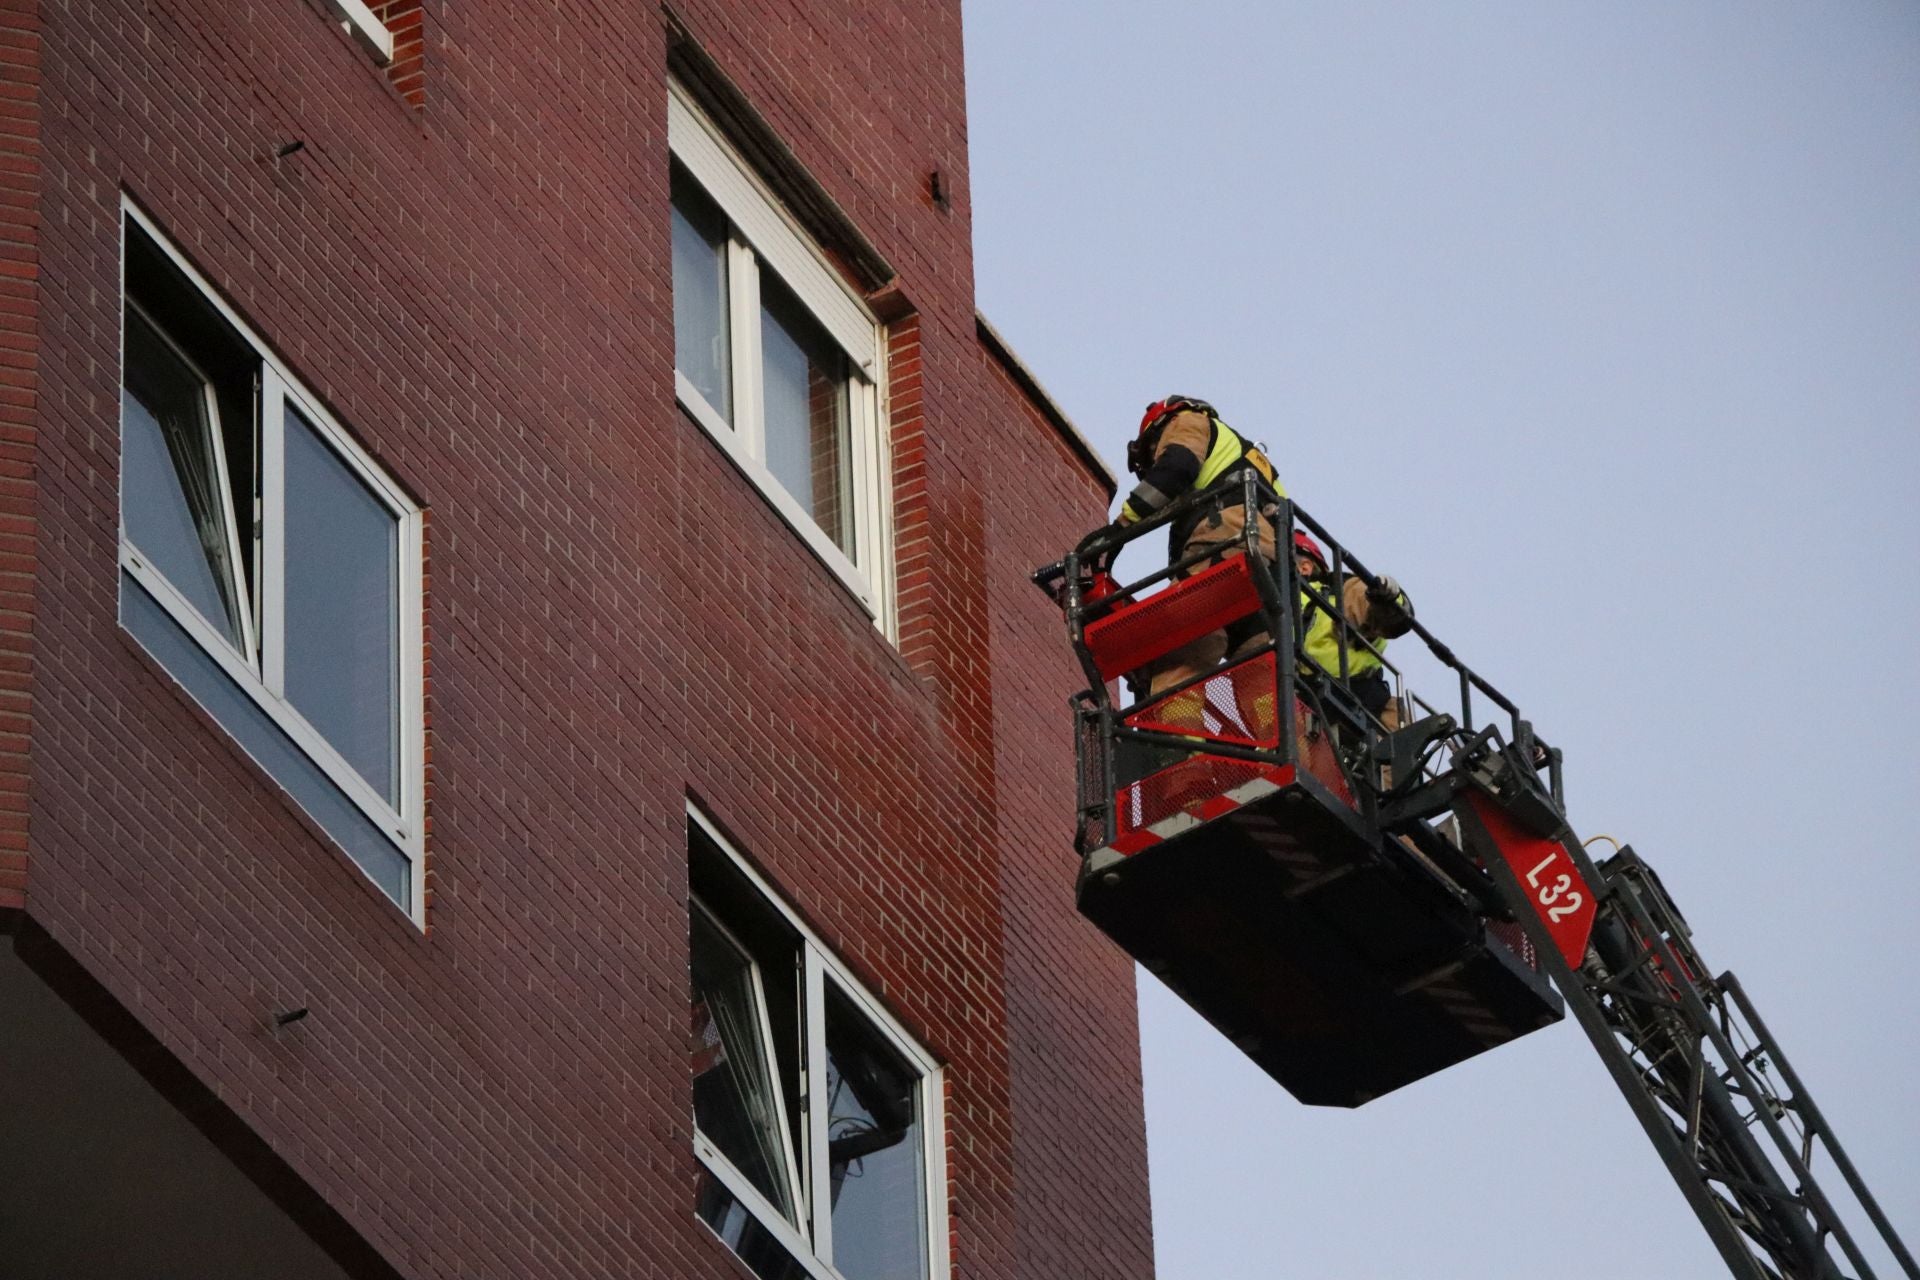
(19, 402)
(406, 22)
(468, 260)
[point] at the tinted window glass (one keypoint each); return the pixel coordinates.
(174, 504)
(733, 1090)
(734, 1223)
(874, 1141)
(805, 399)
(266, 742)
(342, 608)
(700, 312)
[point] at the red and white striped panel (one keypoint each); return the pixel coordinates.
(1267, 779)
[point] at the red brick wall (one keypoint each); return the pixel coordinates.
(479, 284)
(1076, 1061)
(406, 22)
(19, 388)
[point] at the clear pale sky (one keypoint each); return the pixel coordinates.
(1598, 326)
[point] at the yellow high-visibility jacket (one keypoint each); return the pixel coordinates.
(1373, 622)
(1192, 451)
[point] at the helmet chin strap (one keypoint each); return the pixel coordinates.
(1140, 453)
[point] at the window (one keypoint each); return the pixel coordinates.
(817, 1120)
(366, 27)
(775, 358)
(269, 564)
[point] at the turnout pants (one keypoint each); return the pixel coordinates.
(1206, 653)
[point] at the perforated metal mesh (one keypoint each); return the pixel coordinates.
(1179, 787)
(1137, 633)
(1091, 752)
(1234, 705)
(1514, 939)
(1092, 749)
(1317, 757)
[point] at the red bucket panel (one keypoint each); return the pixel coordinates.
(1181, 787)
(1234, 704)
(1135, 634)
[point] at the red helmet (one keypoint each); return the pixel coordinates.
(1140, 448)
(1160, 410)
(1306, 546)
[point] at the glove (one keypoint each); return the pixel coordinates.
(1389, 612)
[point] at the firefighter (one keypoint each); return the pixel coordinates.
(1183, 446)
(1379, 613)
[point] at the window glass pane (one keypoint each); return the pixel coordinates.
(874, 1144)
(342, 608)
(700, 333)
(753, 923)
(733, 1090)
(257, 731)
(734, 1223)
(809, 436)
(173, 505)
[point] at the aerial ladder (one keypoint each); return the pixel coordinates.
(1356, 908)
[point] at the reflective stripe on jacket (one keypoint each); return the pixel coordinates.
(1227, 451)
(1229, 448)
(1191, 452)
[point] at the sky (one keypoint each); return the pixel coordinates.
(1598, 326)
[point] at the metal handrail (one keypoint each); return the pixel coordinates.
(1249, 489)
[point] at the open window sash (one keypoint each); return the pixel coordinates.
(739, 1106)
(178, 479)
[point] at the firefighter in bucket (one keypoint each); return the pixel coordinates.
(1183, 446)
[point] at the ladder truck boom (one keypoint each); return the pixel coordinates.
(1357, 907)
(1687, 1050)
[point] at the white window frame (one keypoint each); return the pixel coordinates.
(819, 966)
(360, 23)
(795, 1174)
(237, 557)
(262, 675)
(760, 231)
